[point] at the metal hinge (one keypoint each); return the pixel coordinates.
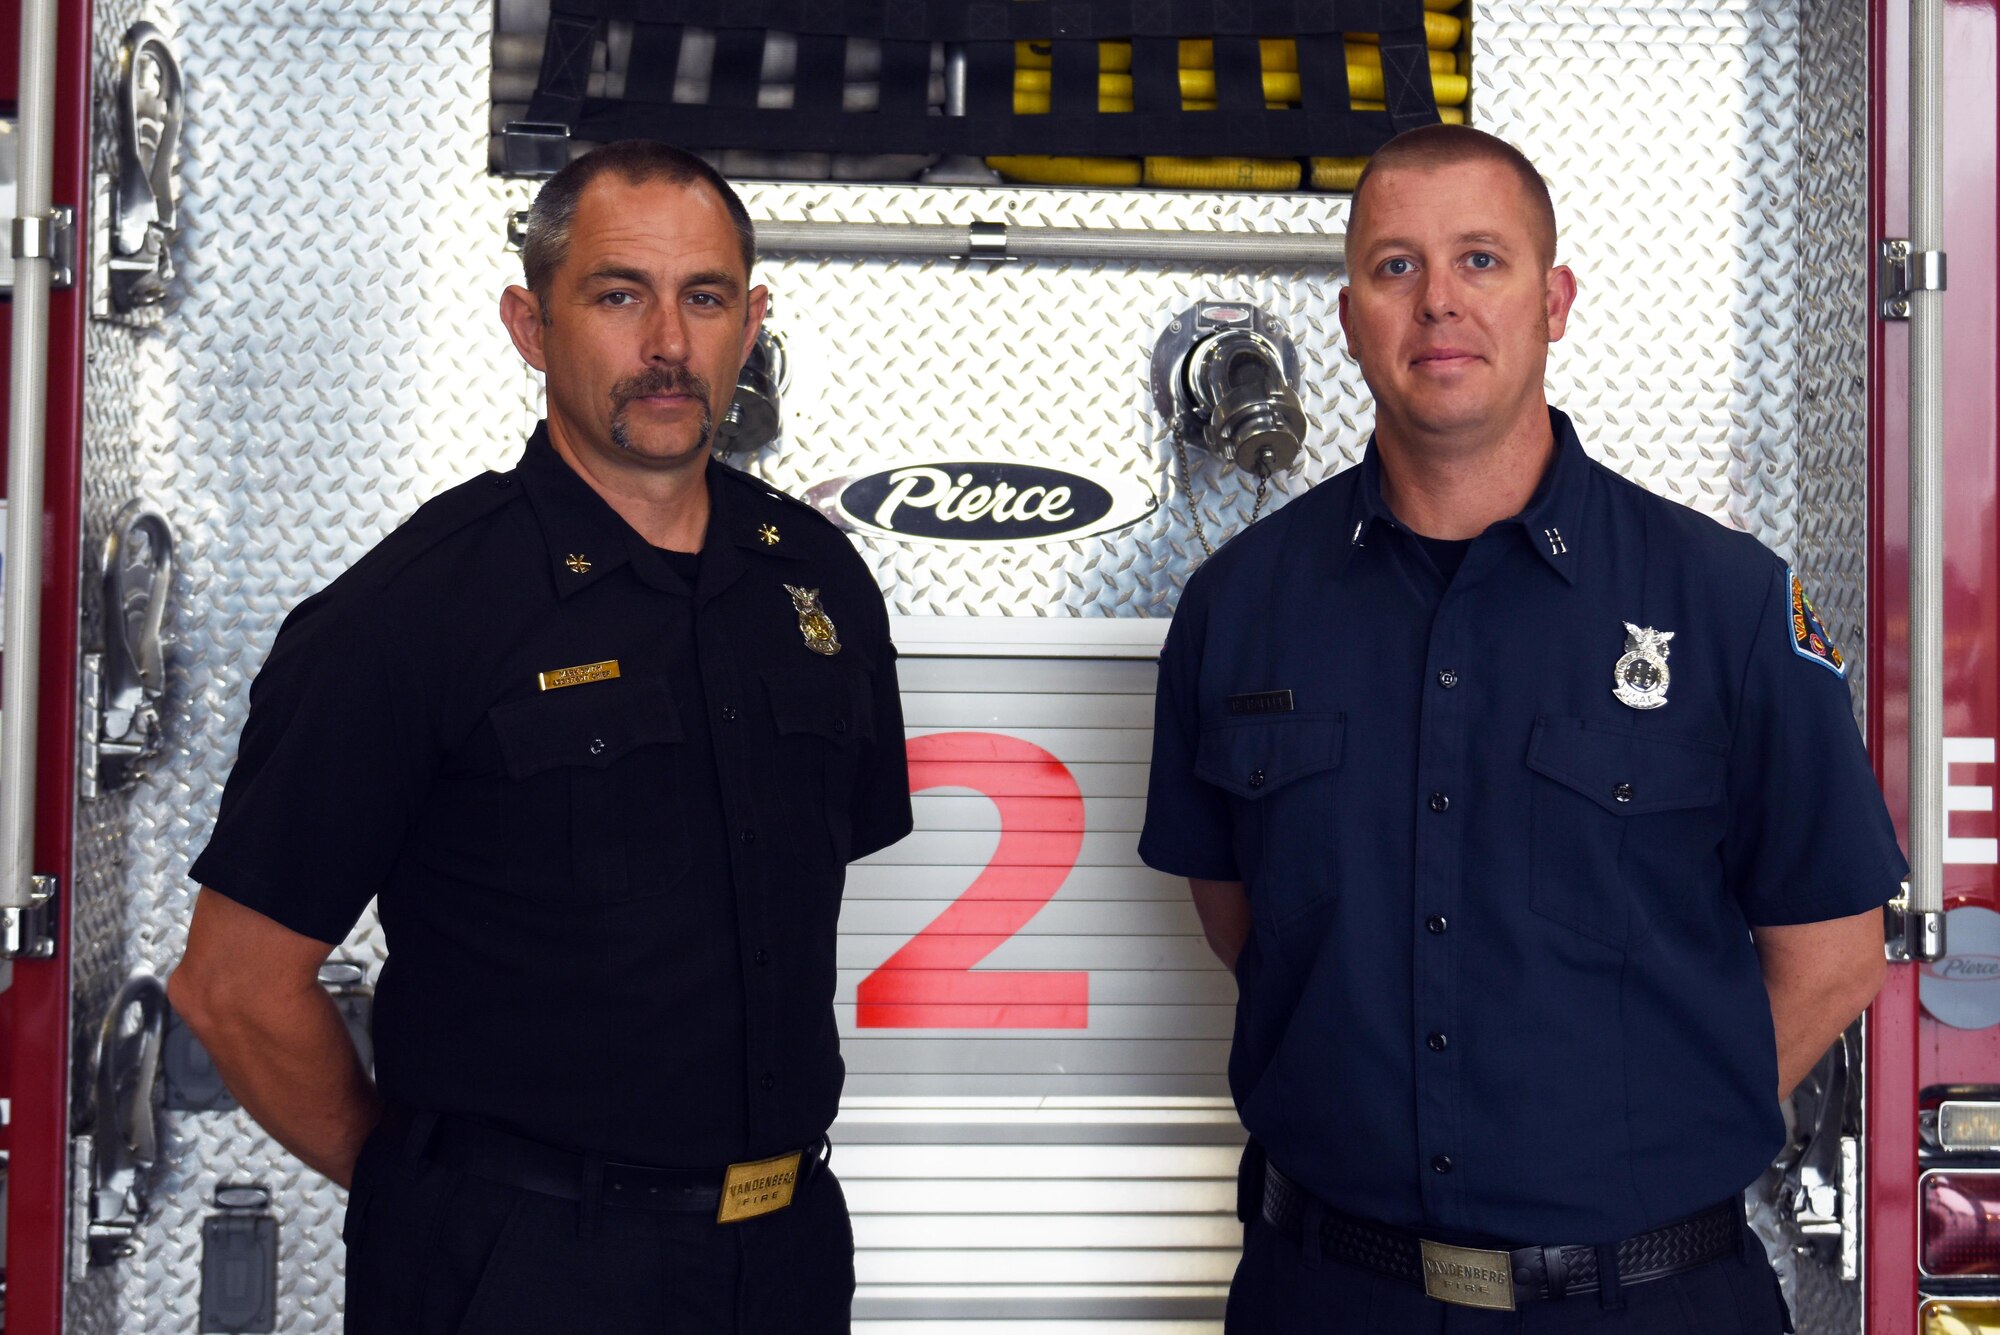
(1901, 272)
(29, 933)
(52, 237)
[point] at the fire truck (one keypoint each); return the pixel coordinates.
(1054, 285)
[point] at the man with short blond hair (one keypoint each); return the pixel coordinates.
(1529, 811)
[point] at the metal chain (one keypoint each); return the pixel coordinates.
(1194, 510)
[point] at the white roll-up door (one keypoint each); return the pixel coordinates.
(1037, 1129)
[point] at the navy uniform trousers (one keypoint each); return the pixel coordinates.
(1278, 1291)
(434, 1251)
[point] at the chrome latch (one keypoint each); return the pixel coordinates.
(123, 1142)
(143, 210)
(29, 933)
(123, 685)
(1901, 272)
(49, 236)
(1910, 937)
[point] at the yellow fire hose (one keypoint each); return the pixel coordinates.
(1280, 62)
(1276, 53)
(1364, 83)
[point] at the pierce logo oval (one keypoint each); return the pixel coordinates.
(975, 500)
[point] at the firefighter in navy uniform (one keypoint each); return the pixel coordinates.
(602, 733)
(1536, 829)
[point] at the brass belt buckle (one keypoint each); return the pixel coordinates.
(1467, 1276)
(751, 1189)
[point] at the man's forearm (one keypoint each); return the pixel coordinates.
(289, 1061)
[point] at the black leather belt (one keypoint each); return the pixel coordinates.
(1497, 1278)
(482, 1151)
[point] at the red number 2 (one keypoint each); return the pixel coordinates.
(930, 983)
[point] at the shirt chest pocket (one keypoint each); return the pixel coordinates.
(592, 806)
(824, 719)
(1626, 826)
(1282, 777)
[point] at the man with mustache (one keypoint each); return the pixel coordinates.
(601, 733)
(1529, 811)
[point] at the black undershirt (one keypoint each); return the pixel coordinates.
(1447, 554)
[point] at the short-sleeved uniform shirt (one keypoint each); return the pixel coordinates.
(1501, 977)
(610, 904)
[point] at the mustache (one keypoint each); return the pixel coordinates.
(658, 380)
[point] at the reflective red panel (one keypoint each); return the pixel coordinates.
(1961, 1224)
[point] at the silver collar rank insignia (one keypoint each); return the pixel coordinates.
(1640, 679)
(814, 623)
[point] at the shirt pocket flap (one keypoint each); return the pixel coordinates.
(591, 725)
(1627, 773)
(1254, 758)
(833, 703)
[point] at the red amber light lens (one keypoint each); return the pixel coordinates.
(1961, 1225)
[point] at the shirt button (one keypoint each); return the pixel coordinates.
(1447, 679)
(749, 836)
(597, 746)
(1256, 778)
(767, 1081)
(840, 725)
(1622, 792)
(762, 956)
(1439, 802)
(1441, 1164)
(1436, 924)
(729, 713)
(1437, 1042)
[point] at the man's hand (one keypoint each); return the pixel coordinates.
(249, 988)
(1224, 911)
(1820, 976)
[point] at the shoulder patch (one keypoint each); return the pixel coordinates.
(1809, 638)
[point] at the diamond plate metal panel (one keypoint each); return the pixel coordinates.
(331, 357)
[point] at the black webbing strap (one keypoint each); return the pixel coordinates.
(739, 66)
(1406, 78)
(819, 75)
(565, 78)
(656, 58)
(1242, 126)
(906, 77)
(1073, 70)
(1156, 87)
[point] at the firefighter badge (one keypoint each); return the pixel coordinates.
(814, 623)
(1640, 679)
(1809, 638)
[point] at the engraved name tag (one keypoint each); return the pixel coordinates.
(577, 676)
(1468, 1276)
(751, 1189)
(1262, 702)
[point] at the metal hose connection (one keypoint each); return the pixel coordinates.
(753, 420)
(1251, 414)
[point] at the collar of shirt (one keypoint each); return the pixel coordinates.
(1549, 521)
(587, 539)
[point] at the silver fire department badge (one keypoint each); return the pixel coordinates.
(814, 623)
(1640, 679)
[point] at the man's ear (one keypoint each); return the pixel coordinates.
(753, 319)
(521, 312)
(1561, 295)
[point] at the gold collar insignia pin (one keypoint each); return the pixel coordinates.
(769, 533)
(578, 562)
(814, 623)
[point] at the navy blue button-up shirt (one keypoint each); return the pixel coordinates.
(1500, 978)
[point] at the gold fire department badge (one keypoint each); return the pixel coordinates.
(1640, 679)
(814, 623)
